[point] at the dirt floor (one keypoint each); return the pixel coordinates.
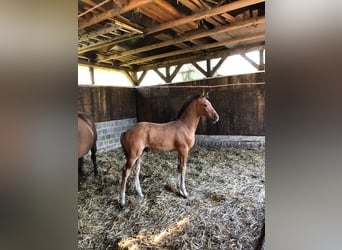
(225, 210)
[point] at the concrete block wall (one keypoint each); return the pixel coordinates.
(231, 141)
(109, 132)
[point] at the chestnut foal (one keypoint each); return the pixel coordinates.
(177, 135)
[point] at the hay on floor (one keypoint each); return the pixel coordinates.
(225, 210)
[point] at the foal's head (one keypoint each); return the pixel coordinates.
(204, 108)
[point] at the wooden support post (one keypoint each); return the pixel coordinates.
(261, 60)
(208, 68)
(91, 72)
(168, 76)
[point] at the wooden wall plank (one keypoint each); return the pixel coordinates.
(239, 100)
(107, 103)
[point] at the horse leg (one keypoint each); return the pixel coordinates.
(93, 158)
(126, 171)
(80, 165)
(182, 157)
(80, 172)
(137, 182)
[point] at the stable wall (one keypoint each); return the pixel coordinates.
(113, 109)
(239, 100)
(241, 106)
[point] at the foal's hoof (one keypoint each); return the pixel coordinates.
(185, 196)
(122, 206)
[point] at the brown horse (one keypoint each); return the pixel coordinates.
(87, 137)
(177, 135)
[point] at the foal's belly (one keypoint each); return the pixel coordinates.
(162, 146)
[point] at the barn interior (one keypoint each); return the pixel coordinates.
(226, 169)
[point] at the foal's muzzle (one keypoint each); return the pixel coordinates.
(215, 119)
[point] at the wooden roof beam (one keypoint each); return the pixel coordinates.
(205, 56)
(226, 28)
(112, 42)
(113, 12)
(196, 48)
(93, 8)
(181, 60)
(204, 14)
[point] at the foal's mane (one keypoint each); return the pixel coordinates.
(186, 104)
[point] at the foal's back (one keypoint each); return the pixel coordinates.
(157, 136)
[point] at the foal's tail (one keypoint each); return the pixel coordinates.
(123, 147)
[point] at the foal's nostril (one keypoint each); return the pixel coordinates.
(216, 119)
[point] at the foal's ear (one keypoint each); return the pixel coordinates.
(205, 94)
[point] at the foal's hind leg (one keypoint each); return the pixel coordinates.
(126, 171)
(93, 158)
(137, 182)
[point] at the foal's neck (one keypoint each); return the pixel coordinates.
(190, 117)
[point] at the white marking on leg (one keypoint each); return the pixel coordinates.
(185, 193)
(179, 186)
(125, 173)
(137, 181)
(137, 187)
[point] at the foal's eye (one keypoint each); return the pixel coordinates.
(205, 105)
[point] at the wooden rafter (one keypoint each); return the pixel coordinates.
(161, 33)
(196, 6)
(182, 60)
(113, 12)
(92, 4)
(218, 30)
(111, 42)
(196, 48)
(204, 14)
(261, 60)
(204, 56)
(93, 8)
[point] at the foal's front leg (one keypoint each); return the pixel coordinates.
(182, 157)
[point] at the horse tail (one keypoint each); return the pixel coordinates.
(123, 147)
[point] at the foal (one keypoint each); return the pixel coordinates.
(87, 137)
(178, 135)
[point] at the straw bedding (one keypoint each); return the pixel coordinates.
(225, 209)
